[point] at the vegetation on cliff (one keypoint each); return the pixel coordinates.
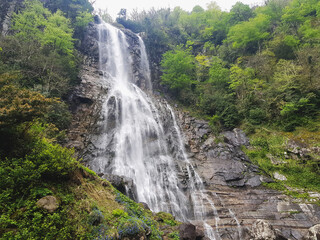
(254, 68)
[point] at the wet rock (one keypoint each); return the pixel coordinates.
(187, 231)
(199, 234)
(145, 205)
(266, 179)
(124, 184)
(313, 233)
(89, 43)
(49, 203)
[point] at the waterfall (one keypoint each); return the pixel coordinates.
(133, 142)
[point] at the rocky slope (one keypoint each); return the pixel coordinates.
(245, 209)
(235, 184)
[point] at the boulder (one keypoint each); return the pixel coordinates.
(124, 184)
(187, 231)
(279, 176)
(262, 230)
(313, 233)
(49, 203)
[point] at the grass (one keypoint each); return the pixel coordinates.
(89, 208)
(303, 174)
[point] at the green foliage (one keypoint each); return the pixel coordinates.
(178, 68)
(57, 34)
(256, 64)
(46, 161)
(300, 173)
(21, 105)
(139, 220)
(174, 236)
(166, 218)
(29, 24)
(240, 12)
(38, 23)
(250, 34)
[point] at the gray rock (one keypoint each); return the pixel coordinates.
(254, 181)
(236, 137)
(124, 184)
(279, 176)
(187, 231)
(262, 230)
(313, 233)
(49, 203)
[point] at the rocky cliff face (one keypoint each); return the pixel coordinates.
(7, 8)
(234, 184)
(245, 209)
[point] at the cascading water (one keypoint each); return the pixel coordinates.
(133, 143)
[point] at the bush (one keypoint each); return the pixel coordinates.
(132, 227)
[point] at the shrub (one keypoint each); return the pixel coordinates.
(132, 227)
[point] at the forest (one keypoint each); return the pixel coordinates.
(255, 68)
(248, 66)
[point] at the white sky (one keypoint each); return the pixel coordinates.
(114, 6)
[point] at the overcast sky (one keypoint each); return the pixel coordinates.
(114, 6)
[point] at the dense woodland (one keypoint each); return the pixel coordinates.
(250, 65)
(255, 68)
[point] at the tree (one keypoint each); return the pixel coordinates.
(103, 13)
(29, 24)
(249, 35)
(21, 105)
(42, 48)
(240, 13)
(178, 68)
(57, 34)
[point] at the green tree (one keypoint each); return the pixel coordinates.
(178, 68)
(240, 12)
(29, 24)
(58, 34)
(249, 35)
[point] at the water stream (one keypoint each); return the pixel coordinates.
(134, 142)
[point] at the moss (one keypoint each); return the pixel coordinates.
(301, 174)
(174, 236)
(166, 218)
(87, 170)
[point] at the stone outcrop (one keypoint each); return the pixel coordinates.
(313, 233)
(262, 230)
(49, 203)
(231, 166)
(234, 184)
(187, 231)
(7, 8)
(124, 184)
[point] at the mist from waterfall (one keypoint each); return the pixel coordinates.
(133, 142)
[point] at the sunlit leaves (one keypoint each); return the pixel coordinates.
(21, 105)
(58, 34)
(37, 23)
(178, 68)
(251, 32)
